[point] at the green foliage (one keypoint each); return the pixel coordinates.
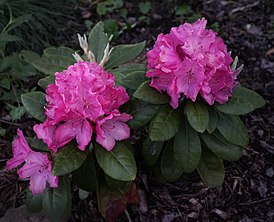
(85, 176)
(197, 115)
(68, 159)
(150, 95)
(221, 147)
(34, 102)
(242, 102)
(54, 60)
(108, 6)
(211, 169)
(34, 202)
(123, 53)
(164, 125)
(118, 163)
(169, 168)
(56, 202)
(141, 112)
(97, 41)
(33, 24)
(151, 151)
(187, 148)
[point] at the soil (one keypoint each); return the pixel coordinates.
(247, 195)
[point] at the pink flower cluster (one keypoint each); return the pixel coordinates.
(83, 100)
(190, 60)
(37, 166)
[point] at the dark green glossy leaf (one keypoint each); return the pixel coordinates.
(141, 112)
(211, 169)
(233, 129)
(34, 103)
(57, 201)
(187, 148)
(164, 125)
(213, 121)
(169, 168)
(118, 163)
(150, 95)
(197, 115)
(242, 102)
(43, 83)
(34, 202)
(123, 53)
(218, 145)
(68, 159)
(151, 151)
(97, 41)
(85, 176)
(54, 60)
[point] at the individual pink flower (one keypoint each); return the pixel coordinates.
(20, 149)
(112, 128)
(37, 166)
(81, 95)
(38, 169)
(189, 61)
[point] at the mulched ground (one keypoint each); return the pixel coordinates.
(247, 194)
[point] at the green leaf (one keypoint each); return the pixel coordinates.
(43, 83)
(17, 22)
(123, 71)
(34, 103)
(57, 201)
(101, 8)
(164, 125)
(118, 163)
(9, 38)
(85, 176)
(5, 83)
(115, 184)
(134, 79)
(141, 112)
(68, 159)
(213, 121)
(150, 95)
(97, 40)
(233, 129)
(151, 151)
(34, 202)
(54, 60)
(211, 169)
(169, 168)
(123, 53)
(61, 51)
(218, 145)
(29, 56)
(187, 148)
(242, 102)
(197, 115)
(144, 7)
(17, 112)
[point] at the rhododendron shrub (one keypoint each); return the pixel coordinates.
(191, 103)
(186, 103)
(82, 128)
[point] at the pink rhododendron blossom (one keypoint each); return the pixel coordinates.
(81, 97)
(191, 60)
(20, 149)
(111, 128)
(37, 166)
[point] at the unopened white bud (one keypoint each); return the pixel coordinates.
(77, 57)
